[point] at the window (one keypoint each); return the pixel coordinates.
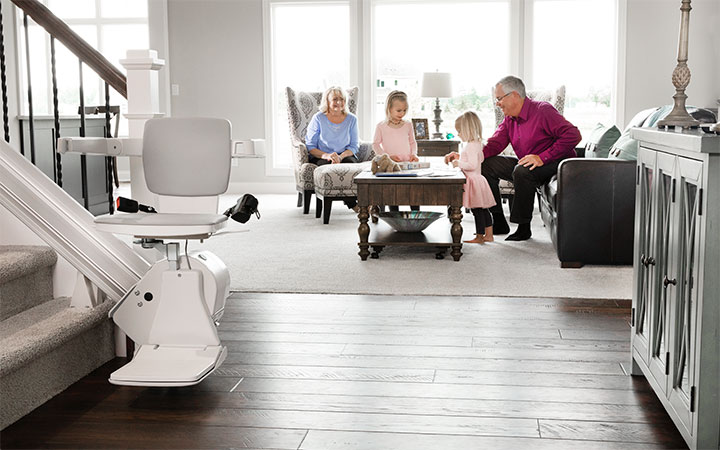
(309, 51)
(405, 48)
(109, 26)
(574, 44)
(547, 43)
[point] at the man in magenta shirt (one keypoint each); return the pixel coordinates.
(541, 138)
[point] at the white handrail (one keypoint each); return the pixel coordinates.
(66, 226)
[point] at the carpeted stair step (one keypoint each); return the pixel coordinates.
(46, 349)
(25, 277)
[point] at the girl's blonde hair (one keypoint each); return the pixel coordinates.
(392, 96)
(469, 126)
(325, 102)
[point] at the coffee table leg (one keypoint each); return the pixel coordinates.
(363, 232)
(456, 232)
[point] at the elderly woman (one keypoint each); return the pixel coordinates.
(332, 134)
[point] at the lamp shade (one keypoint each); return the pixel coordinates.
(436, 84)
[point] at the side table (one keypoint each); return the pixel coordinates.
(437, 147)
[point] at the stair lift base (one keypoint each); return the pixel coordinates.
(172, 316)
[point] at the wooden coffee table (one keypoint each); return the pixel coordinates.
(446, 191)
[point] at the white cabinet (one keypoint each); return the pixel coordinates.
(676, 297)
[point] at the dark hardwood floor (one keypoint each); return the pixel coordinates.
(382, 372)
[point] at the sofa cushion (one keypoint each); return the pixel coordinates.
(601, 140)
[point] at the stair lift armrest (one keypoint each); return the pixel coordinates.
(100, 146)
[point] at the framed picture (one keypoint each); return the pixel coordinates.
(420, 126)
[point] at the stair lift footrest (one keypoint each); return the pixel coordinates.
(164, 366)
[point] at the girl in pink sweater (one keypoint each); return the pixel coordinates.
(477, 196)
(394, 136)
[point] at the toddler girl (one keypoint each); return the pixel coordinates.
(477, 196)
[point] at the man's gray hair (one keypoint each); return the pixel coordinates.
(511, 83)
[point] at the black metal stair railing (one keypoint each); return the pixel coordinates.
(57, 169)
(3, 81)
(58, 30)
(31, 123)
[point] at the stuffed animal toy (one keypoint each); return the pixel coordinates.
(383, 163)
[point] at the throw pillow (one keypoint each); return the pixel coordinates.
(625, 148)
(601, 140)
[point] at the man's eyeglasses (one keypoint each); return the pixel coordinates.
(498, 100)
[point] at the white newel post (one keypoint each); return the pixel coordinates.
(143, 103)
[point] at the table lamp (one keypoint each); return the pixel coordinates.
(438, 85)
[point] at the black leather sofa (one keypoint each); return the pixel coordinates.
(589, 206)
(589, 209)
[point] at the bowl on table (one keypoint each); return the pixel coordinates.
(409, 221)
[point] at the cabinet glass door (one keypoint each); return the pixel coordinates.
(643, 249)
(683, 284)
(659, 306)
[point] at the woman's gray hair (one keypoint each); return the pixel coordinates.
(511, 83)
(325, 102)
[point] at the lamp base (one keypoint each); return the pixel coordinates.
(679, 116)
(437, 120)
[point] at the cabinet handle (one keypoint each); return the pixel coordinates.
(667, 281)
(643, 260)
(650, 261)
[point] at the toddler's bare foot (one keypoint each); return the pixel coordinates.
(478, 240)
(488, 238)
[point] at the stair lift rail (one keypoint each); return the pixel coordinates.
(66, 226)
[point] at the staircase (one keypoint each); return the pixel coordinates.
(45, 345)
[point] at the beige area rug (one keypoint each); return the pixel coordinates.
(286, 251)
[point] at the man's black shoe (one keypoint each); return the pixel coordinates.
(523, 233)
(500, 225)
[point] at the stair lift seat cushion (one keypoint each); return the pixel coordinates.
(162, 226)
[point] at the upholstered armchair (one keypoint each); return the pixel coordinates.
(301, 107)
(555, 98)
(330, 182)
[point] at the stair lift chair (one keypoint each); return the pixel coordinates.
(173, 312)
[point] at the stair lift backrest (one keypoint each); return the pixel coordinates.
(187, 157)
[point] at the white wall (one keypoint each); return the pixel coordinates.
(652, 42)
(216, 59)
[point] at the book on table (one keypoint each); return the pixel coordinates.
(406, 173)
(413, 165)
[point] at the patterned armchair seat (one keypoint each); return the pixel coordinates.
(555, 98)
(333, 181)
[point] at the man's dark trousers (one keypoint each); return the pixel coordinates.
(526, 181)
